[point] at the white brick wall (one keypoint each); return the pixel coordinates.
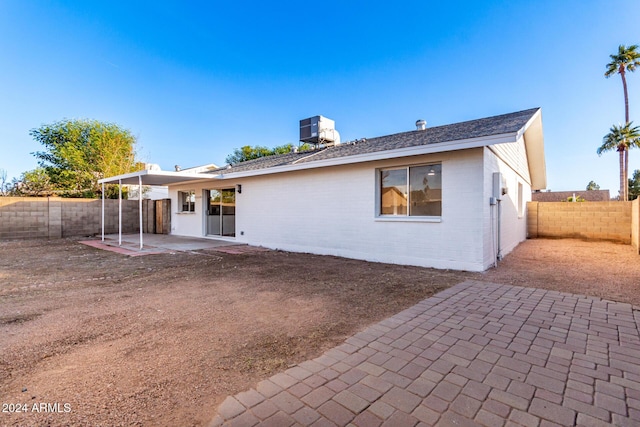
(513, 227)
(332, 211)
(515, 155)
(187, 223)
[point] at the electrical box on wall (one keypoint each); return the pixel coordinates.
(499, 186)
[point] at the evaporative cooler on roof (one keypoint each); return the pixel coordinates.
(319, 130)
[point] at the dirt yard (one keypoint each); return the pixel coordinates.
(105, 339)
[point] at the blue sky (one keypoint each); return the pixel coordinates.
(194, 80)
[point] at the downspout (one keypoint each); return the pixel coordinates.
(495, 206)
(496, 200)
(492, 220)
(499, 252)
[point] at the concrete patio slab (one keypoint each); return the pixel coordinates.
(476, 354)
(162, 243)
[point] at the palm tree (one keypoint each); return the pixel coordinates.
(621, 138)
(627, 59)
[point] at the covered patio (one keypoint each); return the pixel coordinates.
(140, 179)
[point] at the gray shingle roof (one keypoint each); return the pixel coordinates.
(489, 126)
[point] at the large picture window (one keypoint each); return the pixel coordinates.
(411, 191)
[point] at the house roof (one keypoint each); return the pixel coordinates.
(474, 133)
(505, 128)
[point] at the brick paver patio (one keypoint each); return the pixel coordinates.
(477, 354)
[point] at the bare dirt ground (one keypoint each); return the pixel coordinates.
(163, 339)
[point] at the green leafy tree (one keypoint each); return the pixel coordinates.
(248, 152)
(33, 183)
(592, 186)
(634, 185)
(621, 138)
(576, 199)
(80, 152)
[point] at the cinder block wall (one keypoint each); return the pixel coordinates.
(81, 217)
(24, 217)
(54, 217)
(586, 220)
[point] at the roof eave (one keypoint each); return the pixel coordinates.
(534, 144)
(150, 177)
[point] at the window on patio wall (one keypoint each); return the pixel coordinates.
(414, 191)
(187, 201)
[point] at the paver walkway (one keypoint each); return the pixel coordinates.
(475, 354)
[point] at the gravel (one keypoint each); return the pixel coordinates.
(104, 339)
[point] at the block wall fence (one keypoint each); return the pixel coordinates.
(612, 221)
(55, 217)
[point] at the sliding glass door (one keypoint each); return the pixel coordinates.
(221, 212)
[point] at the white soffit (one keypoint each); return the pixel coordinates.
(534, 143)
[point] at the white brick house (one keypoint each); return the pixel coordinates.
(424, 197)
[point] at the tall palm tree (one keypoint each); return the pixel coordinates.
(621, 138)
(627, 59)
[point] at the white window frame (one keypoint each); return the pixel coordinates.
(402, 218)
(191, 194)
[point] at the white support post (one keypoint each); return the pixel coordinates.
(140, 206)
(103, 211)
(119, 212)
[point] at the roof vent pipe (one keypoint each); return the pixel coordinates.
(421, 124)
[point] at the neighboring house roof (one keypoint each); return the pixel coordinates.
(204, 168)
(562, 196)
(474, 133)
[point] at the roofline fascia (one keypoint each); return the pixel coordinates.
(439, 147)
(189, 181)
(123, 176)
(531, 120)
(533, 136)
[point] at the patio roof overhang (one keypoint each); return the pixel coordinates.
(150, 177)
